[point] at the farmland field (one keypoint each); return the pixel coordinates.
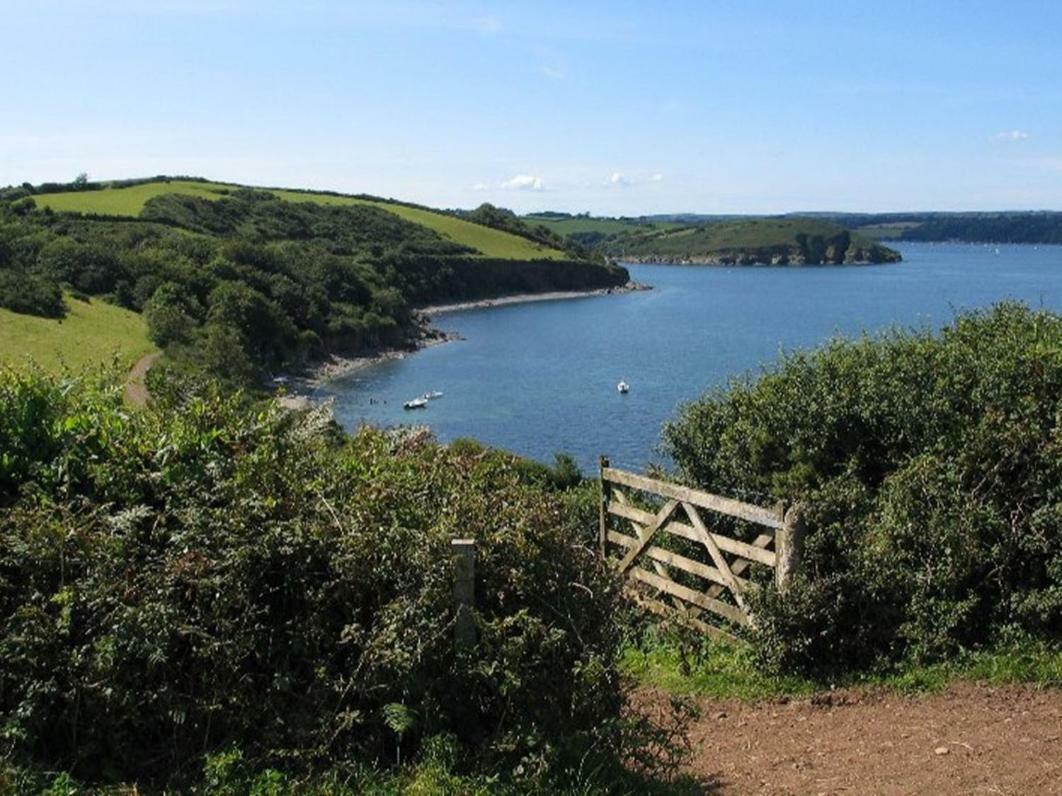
(488, 241)
(131, 200)
(605, 226)
(126, 201)
(91, 334)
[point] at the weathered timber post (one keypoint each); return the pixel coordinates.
(789, 547)
(602, 528)
(463, 553)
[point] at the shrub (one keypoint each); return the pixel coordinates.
(932, 465)
(31, 295)
(180, 582)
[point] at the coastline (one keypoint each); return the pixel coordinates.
(337, 366)
(524, 298)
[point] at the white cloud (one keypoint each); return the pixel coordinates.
(523, 182)
(618, 179)
(1011, 135)
(658, 177)
(479, 186)
(552, 72)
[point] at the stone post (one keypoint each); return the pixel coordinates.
(789, 546)
(463, 553)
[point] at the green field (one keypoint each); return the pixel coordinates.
(604, 226)
(92, 333)
(890, 231)
(130, 201)
(126, 201)
(488, 241)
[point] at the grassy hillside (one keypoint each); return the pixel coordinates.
(127, 201)
(91, 333)
(130, 201)
(243, 282)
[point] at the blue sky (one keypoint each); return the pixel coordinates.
(615, 108)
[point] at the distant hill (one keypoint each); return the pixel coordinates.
(1013, 226)
(729, 240)
(241, 282)
(588, 231)
(1001, 227)
(129, 200)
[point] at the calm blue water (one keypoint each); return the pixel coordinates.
(541, 377)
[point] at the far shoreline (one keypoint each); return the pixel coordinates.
(336, 366)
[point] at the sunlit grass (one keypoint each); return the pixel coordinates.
(130, 201)
(730, 671)
(126, 201)
(92, 333)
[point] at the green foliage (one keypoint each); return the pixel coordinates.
(226, 580)
(932, 469)
(280, 281)
(129, 198)
(31, 295)
(1039, 227)
(686, 664)
(746, 241)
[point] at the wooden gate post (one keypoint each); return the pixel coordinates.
(463, 552)
(602, 528)
(789, 546)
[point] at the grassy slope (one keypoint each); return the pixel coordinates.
(130, 201)
(491, 242)
(91, 333)
(126, 201)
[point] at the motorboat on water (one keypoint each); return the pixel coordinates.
(623, 387)
(431, 396)
(416, 403)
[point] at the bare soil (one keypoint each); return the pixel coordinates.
(136, 392)
(969, 739)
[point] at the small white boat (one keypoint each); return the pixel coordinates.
(431, 396)
(623, 387)
(416, 403)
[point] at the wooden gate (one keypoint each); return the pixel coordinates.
(701, 573)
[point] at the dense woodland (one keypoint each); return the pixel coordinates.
(250, 283)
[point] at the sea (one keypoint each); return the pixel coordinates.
(540, 378)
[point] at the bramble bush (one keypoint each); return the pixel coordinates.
(931, 465)
(209, 579)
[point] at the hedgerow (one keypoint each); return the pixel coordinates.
(214, 578)
(931, 466)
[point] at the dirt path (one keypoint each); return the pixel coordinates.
(970, 739)
(135, 389)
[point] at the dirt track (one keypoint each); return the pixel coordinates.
(135, 389)
(971, 739)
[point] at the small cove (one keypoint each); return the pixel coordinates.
(540, 377)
